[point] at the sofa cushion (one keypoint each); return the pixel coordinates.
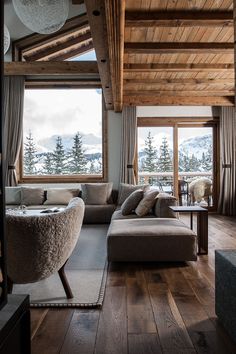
(98, 214)
(131, 202)
(127, 189)
(147, 202)
(32, 196)
(96, 193)
(150, 239)
(118, 215)
(161, 208)
(13, 195)
(60, 196)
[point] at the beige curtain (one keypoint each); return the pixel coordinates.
(227, 200)
(13, 101)
(128, 145)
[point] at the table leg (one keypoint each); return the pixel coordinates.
(202, 232)
(191, 220)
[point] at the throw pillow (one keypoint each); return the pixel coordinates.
(161, 208)
(146, 203)
(127, 189)
(60, 196)
(96, 193)
(32, 196)
(131, 202)
(13, 195)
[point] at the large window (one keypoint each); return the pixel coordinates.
(180, 158)
(63, 134)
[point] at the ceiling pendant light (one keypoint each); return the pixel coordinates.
(6, 39)
(42, 16)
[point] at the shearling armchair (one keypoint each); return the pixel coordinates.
(40, 245)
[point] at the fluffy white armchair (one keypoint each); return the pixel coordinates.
(40, 245)
(200, 188)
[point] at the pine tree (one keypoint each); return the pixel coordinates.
(165, 162)
(194, 164)
(59, 164)
(29, 155)
(92, 169)
(48, 164)
(149, 163)
(78, 162)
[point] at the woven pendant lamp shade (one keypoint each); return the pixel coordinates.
(42, 16)
(6, 39)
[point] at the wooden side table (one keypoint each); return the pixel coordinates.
(202, 224)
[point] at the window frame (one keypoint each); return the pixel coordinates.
(67, 178)
(187, 122)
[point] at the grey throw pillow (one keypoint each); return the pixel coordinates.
(161, 208)
(13, 195)
(127, 189)
(147, 202)
(131, 202)
(60, 196)
(32, 196)
(96, 193)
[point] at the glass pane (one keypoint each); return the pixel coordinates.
(155, 157)
(195, 166)
(62, 132)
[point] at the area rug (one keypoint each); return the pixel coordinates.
(86, 271)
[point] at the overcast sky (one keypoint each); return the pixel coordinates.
(59, 112)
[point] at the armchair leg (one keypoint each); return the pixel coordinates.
(65, 282)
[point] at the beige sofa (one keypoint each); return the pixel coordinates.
(99, 212)
(157, 236)
(47, 197)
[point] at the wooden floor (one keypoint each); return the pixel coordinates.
(148, 308)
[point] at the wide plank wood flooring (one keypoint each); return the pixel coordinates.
(148, 308)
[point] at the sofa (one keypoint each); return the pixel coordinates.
(142, 226)
(99, 209)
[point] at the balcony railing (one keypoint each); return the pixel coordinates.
(164, 180)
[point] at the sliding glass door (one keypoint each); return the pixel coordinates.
(155, 157)
(179, 158)
(195, 165)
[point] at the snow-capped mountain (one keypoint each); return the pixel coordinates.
(196, 145)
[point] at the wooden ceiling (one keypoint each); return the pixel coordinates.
(150, 52)
(72, 40)
(178, 52)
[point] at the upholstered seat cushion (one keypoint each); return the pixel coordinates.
(98, 214)
(118, 215)
(151, 239)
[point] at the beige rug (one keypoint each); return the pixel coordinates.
(86, 271)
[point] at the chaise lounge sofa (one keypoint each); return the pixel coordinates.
(158, 235)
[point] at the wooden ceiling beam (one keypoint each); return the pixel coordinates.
(96, 16)
(178, 47)
(173, 93)
(73, 43)
(62, 39)
(63, 83)
(177, 101)
(178, 18)
(179, 81)
(115, 19)
(37, 40)
(177, 67)
(72, 53)
(85, 68)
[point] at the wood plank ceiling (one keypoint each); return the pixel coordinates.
(72, 40)
(152, 52)
(178, 52)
